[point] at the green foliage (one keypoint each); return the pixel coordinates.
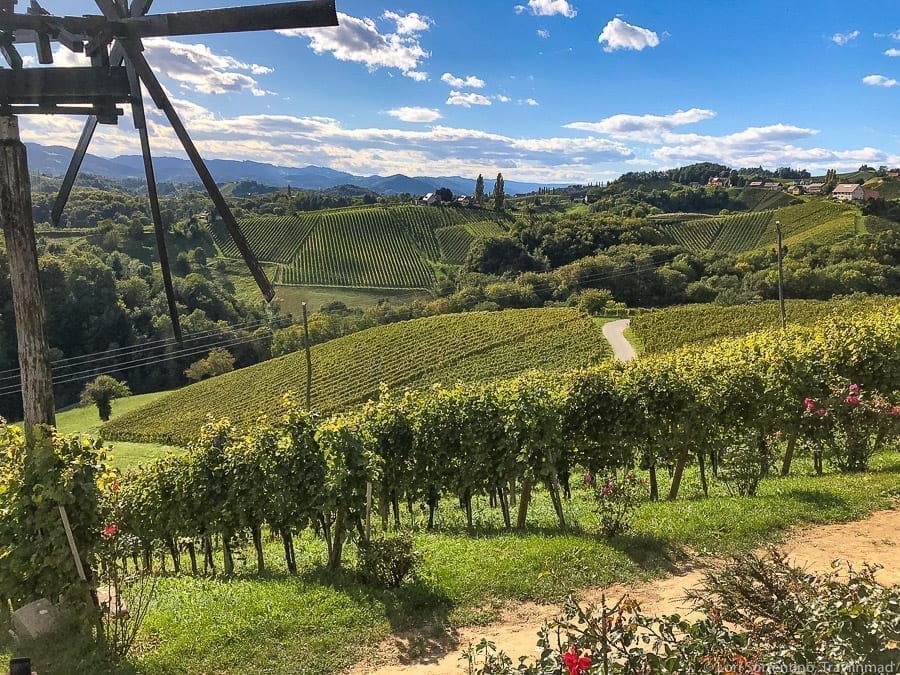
(35, 480)
(499, 194)
(101, 392)
(674, 327)
(453, 348)
(616, 500)
(387, 560)
(745, 461)
(219, 362)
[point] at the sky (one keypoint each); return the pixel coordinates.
(553, 91)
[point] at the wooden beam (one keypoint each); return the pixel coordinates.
(28, 306)
(60, 86)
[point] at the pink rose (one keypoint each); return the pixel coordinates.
(810, 404)
(854, 388)
(821, 412)
(852, 401)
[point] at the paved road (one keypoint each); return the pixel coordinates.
(613, 331)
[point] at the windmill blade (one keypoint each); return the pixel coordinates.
(116, 58)
(161, 99)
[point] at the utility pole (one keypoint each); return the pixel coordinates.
(780, 275)
(308, 360)
(28, 304)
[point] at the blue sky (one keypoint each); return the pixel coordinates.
(545, 90)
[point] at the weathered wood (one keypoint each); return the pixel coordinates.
(161, 99)
(18, 231)
(90, 126)
(64, 86)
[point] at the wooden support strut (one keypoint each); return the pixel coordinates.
(21, 249)
(161, 99)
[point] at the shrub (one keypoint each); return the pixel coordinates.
(101, 392)
(616, 501)
(744, 463)
(387, 561)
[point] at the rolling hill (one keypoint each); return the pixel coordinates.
(822, 221)
(472, 347)
(363, 247)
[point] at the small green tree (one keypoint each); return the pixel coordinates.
(479, 190)
(219, 362)
(101, 393)
(499, 193)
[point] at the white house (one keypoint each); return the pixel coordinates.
(430, 199)
(848, 192)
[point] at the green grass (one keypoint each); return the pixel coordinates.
(673, 327)
(291, 297)
(85, 421)
(319, 622)
(446, 349)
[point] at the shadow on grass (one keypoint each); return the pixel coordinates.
(818, 498)
(64, 653)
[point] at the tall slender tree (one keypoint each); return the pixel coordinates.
(499, 193)
(479, 190)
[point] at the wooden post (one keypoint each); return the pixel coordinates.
(780, 275)
(18, 230)
(308, 359)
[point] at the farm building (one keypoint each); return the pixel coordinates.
(848, 192)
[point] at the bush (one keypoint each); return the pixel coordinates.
(616, 501)
(387, 561)
(745, 463)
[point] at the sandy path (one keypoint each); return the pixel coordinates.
(873, 540)
(614, 333)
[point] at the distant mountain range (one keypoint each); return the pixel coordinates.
(54, 160)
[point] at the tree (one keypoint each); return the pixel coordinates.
(444, 194)
(101, 393)
(498, 255)
(479, 190)
(218, 362)
(499, 193)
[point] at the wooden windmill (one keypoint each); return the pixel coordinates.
(117, 71)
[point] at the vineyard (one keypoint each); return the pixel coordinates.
(470, 347)
(668, 329)
(362, 247)
(755, 199)
(820, 221)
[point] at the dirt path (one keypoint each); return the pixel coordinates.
(614, 333)
(874, 540)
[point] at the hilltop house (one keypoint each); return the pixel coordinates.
(848, 192)
(717, 181)
(430, 199)
(814, 188)
(766, 185)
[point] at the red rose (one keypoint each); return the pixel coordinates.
(577, 665)
(110, 531)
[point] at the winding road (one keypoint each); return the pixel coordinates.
(614, 333)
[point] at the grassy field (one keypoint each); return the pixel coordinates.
(319, 623)
(85, 421)
(363, 247)
(452, 348)
(668, 329)
(821, 221)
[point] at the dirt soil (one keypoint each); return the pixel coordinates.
(873, 540)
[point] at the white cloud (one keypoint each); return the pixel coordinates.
(530, 102)
(840, 39)
(197, 67)
(618, 34)
(502, 98)
(892, 52)
(410, 24)
(541, 33)
(467, 100)
(359, 41)
(415, 114)
(640, 124)
(548, 8)
(457, 82)
(880, 81)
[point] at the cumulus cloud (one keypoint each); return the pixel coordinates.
(892, 52)
(502, 98)
(530, 102)
(548, 8)
(467, 100)
(471, 81)
(642, 124)
(360, 41)
(880, 81)
(197, 67)
(415, 114)
(840, 39)
(544, 34)
(618, 34)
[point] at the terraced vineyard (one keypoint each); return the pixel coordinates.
(818, 220)
(472, 347)
(668, 329)
(362, 247)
